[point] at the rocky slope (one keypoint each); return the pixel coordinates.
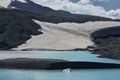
(107, 42)
(15, 29)
(108, 47)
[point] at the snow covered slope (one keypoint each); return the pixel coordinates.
(5, 3)
(65, 36)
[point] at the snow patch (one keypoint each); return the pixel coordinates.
(5, 3)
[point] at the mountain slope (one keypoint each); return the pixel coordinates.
(27, 5)
(56, 16)
(30, 6)
(15, 28)
(21, 23)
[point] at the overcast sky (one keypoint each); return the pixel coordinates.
(106, 8)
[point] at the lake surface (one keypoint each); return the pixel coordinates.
(66, 55)
(112, 74)
(80, 74)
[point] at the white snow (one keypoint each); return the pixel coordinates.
(65, 36)
(5, 3)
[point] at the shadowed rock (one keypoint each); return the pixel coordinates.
(107, 42)
(15, 28)
(25, 63)
(106, 32)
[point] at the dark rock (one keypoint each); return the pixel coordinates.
(106, 32)
(107, 42)
(80, 49)
(25, 63)
(108, 47)
(15, 28)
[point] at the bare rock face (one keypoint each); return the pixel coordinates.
(15, 28)
(106, 32)
(108, 47)
(107, 42)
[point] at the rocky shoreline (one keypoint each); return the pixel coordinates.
(34, 49)
(52, 64)
(107, 42)
(108, 47)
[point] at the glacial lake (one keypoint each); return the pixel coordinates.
(79, 74)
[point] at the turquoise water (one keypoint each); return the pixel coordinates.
(80, 74)
(66, 55)
(102, 74)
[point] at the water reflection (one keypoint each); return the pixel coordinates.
(96, 74)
